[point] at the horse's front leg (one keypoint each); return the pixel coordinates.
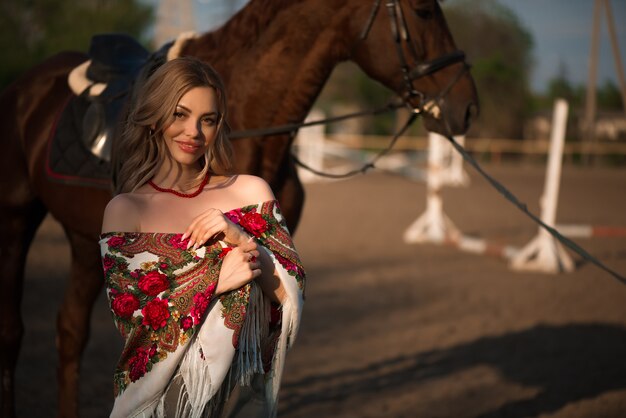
(290, 194)
(274, 163)
(73, 319)
(17, 228)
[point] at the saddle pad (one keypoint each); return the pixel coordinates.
(68, 160)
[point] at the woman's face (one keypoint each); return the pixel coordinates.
(195, 125)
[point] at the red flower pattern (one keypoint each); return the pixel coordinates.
(153, 283)
(124, 304)
(225, 251)
(107, 263)
(287, 264)
(115, 241)
(254, 223)
(186, 322)
(137, 364)
(155, 313)
(234, 215)
(176, 242)
(200, 303)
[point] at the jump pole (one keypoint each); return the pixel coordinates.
(591, 231)
(544, 253)
(434, 225)
(454, 173)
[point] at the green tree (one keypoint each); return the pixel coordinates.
(560, 86)
(499, 48)
(31, 30)
(609, 96)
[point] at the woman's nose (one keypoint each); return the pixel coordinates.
(192, 128)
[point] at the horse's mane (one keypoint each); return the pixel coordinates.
(242, 30)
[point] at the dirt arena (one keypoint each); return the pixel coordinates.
(397, 330)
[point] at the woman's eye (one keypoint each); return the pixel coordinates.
(208, 121)
(179, 115)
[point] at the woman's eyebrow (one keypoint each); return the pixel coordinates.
(212, 112)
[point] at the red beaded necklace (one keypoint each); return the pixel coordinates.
(204, 182)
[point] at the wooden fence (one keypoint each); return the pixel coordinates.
(492, 146)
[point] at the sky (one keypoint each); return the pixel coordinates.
(561, 30)
(562, 33)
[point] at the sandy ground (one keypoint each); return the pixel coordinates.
(398, 330)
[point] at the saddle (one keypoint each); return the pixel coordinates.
(80, 149)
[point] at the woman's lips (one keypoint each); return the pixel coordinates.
(188, 147)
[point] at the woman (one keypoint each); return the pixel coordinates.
(203, 281)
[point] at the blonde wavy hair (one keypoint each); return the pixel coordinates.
(140, 147)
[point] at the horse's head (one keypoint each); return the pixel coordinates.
(406, 45)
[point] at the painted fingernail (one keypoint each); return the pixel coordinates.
(183, 237)
(189, 244)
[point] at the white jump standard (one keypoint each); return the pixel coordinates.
(544, 253)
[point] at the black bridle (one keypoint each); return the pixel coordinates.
(403, 42)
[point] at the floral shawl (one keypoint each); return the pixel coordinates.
(163, 302)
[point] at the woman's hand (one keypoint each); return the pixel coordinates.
(240, 266)
(214, 224)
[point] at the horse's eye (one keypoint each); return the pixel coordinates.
(424, 13)
(424, 9)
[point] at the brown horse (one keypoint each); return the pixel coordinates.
(274, 56)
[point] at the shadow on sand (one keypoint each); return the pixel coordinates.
(564, 363)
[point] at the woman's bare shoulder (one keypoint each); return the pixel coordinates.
(121, 214)
(252, 189)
